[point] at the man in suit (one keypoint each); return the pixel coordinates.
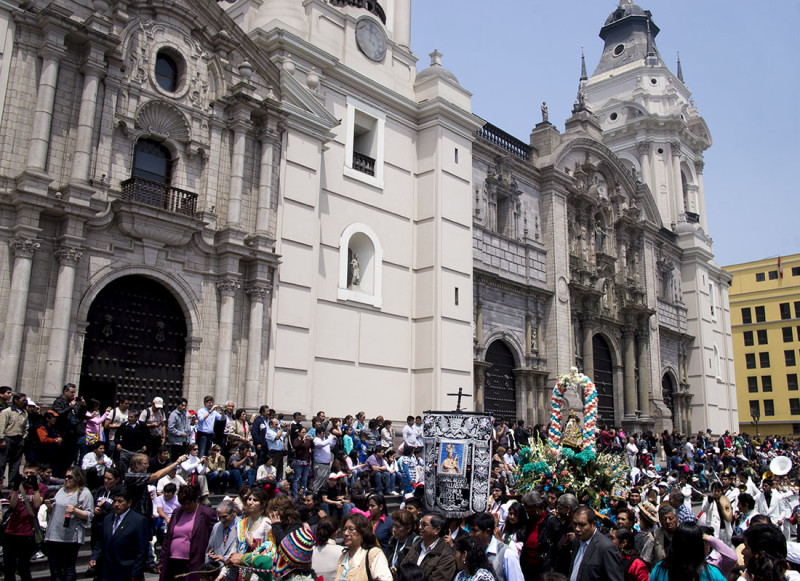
(431, 552)
(125, 541)
(595, 558)
(223, 542)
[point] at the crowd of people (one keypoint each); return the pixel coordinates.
(310, 499)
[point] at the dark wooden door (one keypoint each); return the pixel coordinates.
(603, 380)
(135, 344)
(500, 393)
(667, 389)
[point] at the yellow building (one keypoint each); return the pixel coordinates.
(765, 320)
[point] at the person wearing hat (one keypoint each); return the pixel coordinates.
(292, 561)
(48, 440)
(334, 498)
(648, 518)
(616, 503)
(156, 421)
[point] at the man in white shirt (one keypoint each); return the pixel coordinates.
(409, 434)
(504, 562)
(206, 416)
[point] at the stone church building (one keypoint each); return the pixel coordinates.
(268, 201)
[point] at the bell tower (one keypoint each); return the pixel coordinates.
(649, 119)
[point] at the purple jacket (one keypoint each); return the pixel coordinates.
(201, 532)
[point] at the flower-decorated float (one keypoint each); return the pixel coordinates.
(568, 460)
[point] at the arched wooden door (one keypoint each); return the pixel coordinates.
(603, 380)
(500, 393)
(135, 344)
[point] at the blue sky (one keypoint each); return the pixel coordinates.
(740, 60)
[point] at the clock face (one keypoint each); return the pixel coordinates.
(371, 39)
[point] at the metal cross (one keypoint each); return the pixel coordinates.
(460, 394)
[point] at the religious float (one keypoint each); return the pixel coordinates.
(568, 459)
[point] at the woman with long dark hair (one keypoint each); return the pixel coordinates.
(472, 562)
(686, 560)
(625, 541)
(764, 553)
(513, 530)
(380, 519)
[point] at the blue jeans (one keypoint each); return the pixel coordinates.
(336, 512)
(239, 479)
(204, 442)
(381, 482)
(216, 477)
(300, 476)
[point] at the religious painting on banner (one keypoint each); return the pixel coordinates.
(457, 462)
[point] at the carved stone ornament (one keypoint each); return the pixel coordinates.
(258, 293)
(68, 256)
(228, 287)
(457, 462)
(163, 120)
(24, 247)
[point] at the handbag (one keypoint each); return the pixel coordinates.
(38, 534)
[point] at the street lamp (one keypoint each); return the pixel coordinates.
(755, 414)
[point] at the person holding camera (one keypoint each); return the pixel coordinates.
(19, 540)
(206, 417)
(322, 458)
(276, 437)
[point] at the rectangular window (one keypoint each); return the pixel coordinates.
(712, 295)
(796, 271)
(747, 316)
(755, 408)
(786, 312)
(748, 338)
(773, 275)
(763, 359)
(760, 277)
(794, 406)
(752, 384)
(790, 359)
(766, 383)
(791, 381)
(769, 407)
(761, 316)
(364, 148)
(762, 336)
(750, 360)
(788, 335)
(797, 309)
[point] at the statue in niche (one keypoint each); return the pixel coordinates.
(354, 270)
(534, 348)
(605, 295)
(599, 236)
(545, 113)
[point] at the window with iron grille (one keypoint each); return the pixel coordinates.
(766, 383)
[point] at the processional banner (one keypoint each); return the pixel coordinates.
(457, 462)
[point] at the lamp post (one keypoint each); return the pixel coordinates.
(755, 414)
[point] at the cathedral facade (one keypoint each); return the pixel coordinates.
(266, 201)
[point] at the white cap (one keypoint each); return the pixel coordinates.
(31, 402)
(158, 402)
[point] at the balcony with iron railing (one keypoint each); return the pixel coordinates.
(157, 195)
(501, 139)
(363, 163)
(369, 5)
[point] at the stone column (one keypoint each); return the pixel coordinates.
(480, 380)
(643, 337)
(402, 23)
(265, 181)
(23, 249)
(643, 148)
(588, 349)
(93, 69)
(239, 125)
(227, 290)
(252, 384)
(677, 203)
(701, 196)
(629, 385)
(528, 335)
(51, 53)
(58, 344)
